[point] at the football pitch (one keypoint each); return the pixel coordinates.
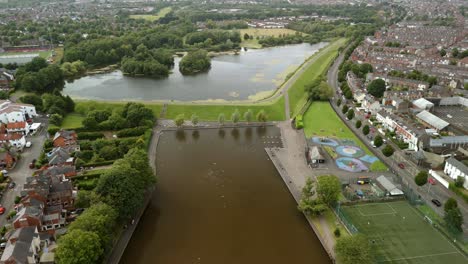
(400, 235)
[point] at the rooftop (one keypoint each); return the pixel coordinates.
(432, 120)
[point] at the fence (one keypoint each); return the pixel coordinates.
(345, 219)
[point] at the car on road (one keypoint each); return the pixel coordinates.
(11, 185)
(2, 210)
(28, 144)
(401, 165)
(436, 202)
(32, 165)
(432, 181)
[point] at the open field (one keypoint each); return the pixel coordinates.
(43, 54)
(275, 111)
(297, 93)
(321, 120)
(161, 13)
(262, 32)
(72, 120)
(58, 54)
(400, 235)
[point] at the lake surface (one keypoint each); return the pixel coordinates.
(232, 77)
(220, 200)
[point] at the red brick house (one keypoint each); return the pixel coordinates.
(28, 216)
(7, 160)
(67, 140)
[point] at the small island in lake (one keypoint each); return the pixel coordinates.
(195, 62)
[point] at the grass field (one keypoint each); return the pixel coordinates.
(297, 94)
(72, 120)
(162, 13)
(321, 120)
(400, 235)
(274, 111)
(43, 54)
(262, 32)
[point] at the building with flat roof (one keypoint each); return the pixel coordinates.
(432, 120)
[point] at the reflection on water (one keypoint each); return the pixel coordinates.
(232, 77)
(219, 200)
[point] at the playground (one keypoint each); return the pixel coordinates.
(400, 235)
(347, 154)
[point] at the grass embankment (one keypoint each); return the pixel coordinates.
(161, 13)
(323, 59)
(262, 32)
(274, 111)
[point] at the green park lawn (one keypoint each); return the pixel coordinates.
(162, 13)
(72, 120)
(43, 54)
(323, 59)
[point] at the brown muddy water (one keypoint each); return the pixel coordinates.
(220, 200)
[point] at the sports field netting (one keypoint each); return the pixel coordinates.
(400, 235)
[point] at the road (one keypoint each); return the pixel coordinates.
(427, 192)
(21, 170)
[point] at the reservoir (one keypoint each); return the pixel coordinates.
(253, 74)
(220, 200)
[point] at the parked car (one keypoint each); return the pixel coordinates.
(2, 210)
(432, 181)
(32, 165)
(11, 185)
(436, 202)
(3, 245)
(401, 165)
(28, 144)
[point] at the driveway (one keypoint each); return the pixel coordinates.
(21, 171)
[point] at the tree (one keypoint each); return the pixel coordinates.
(378, 141)
(345, 109)
(328, 189)
(100, 219)
(450, 204)
(338, 102)
(421, 178)
(78, 247)
(137, 114)
(388, 151)
(235, 116)
(354, 249)
(376, 88)
(33, 99)
(308, 204)
(261, 116)
(194, 119)
(358, 124)
(460, 181)
(443, 52)
(179, 120)
(248, 116)
(221, 119)
(350, 114)
(246, 36)
(366, 130)
(455, 52)
(195, 62)
(56, 119)
(454, 219)
(85, 198)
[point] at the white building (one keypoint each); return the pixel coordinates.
(13, 112)
(18, 127)
(454, 169)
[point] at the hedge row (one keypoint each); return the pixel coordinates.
(459, 191)
(90, 135)
(97, 164)
(131, 132)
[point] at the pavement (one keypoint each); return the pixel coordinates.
(21, 170)
(426, 192)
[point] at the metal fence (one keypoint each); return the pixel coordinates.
(345, 219)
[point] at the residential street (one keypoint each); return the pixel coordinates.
(19, 173)
(427, 192)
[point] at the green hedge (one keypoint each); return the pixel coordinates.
(97, 164)
(90, 135)
(459, 191)
(132, 132)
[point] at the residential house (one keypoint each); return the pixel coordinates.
(22, 247)
(66, 139)
(18, 127)
(29, 216)
(15, 112)
(59, 156)
(370, 104)
(14, 139)
(455, 169)
(7, 159)
(67, 171)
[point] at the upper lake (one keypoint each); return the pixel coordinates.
(232, 77)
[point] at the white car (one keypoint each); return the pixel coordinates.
(28, 144)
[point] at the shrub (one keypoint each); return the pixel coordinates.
(366, 130)
(17, 200)
(459, 191)
(358, 124)
(421, 178)
(53, 130)
(337, 232)
(388, 151)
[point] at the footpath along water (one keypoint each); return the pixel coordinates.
(220, 200)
